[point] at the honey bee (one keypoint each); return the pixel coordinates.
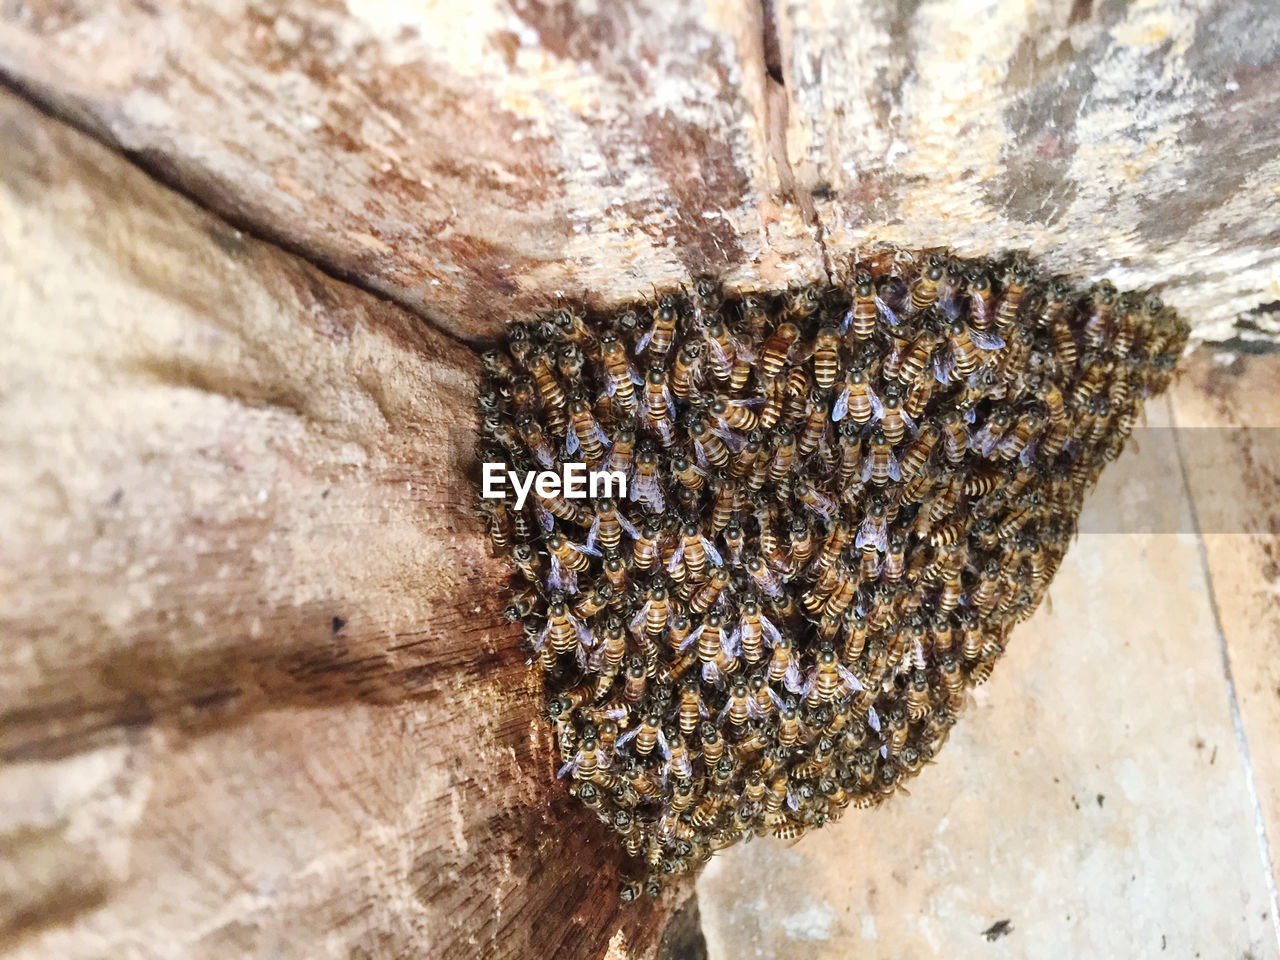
(981, 300)
(773, 357)
(924, 293)
(660, 336)
(645, 487)
(1015, 288)
(881, 465)
(861, 318)
(892, 418)
(858, 400)
(684, 374)
(826, 357)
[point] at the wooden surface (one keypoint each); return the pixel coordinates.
(254, 701)
(475, 161)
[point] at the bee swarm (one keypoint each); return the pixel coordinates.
(840, 500)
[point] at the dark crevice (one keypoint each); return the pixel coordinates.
(777, 116)
(683, 939)
(156, 166)
(772, 43)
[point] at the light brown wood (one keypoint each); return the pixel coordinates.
(477, 161)
(256, 701)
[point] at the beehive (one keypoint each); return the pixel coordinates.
(841, 498)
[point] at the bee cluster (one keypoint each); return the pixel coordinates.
(840, 500)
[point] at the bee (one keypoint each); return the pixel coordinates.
(707, 594)
(912, 363)
(892, 418)
(739, 707)
(881, 465)
(735, 414)
(774, 354)
(826, 357)
(981, 300)
(815, 426)
(620, 379)
(549, 387)
(861, 318)
(684, 374)
(858, 400)
(645, 487)
(687, 473)
(660, 336)
(694, 550)
(723, 504)
(723, 350)
(647, 736)
(924, 293)
(587, 434)
(783, 455)
(1015, 288)
(708, 444)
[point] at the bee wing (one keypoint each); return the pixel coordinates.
(593, 533)
(545, 519)
(985, 339)
(629, 527)
(777, 700)
(884, 750)
(712, 552)
(849, 678)
(1028, 455)
(841, 406)
(710, 673)
(846, 321)
(744, 352)
(887, 312)
(723, 712)
(770, 631)
(733, 643)
(610, 385)
(585, 636)
(639, 617)
(584, 548)
(793, 799)
(676, 556)
(754, 709)
(895, 469)
(700, 453)
(570, 767)
(873, 719)
(542, 637)
(719, 354)
(626, 738)
(644, 341)
(792, 681)
(662, 746)
(909, 421)
(571, 444)
(692, 638)
(731, 439)
(944, 367)
(808, 684)
(555, 580)
(988, 439)
(877, 408)
(595, 661)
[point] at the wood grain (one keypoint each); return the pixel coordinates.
(477, 161)
(255, 695)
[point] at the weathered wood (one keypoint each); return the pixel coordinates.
(254, 701)
(475, 161)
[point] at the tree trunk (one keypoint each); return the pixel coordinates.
(257, 694)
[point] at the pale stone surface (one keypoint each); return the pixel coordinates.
(477, 160)
(1226, 406)
(1093, 794)
(254, 700)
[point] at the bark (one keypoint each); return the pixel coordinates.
(477, 161)
(254, 696)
